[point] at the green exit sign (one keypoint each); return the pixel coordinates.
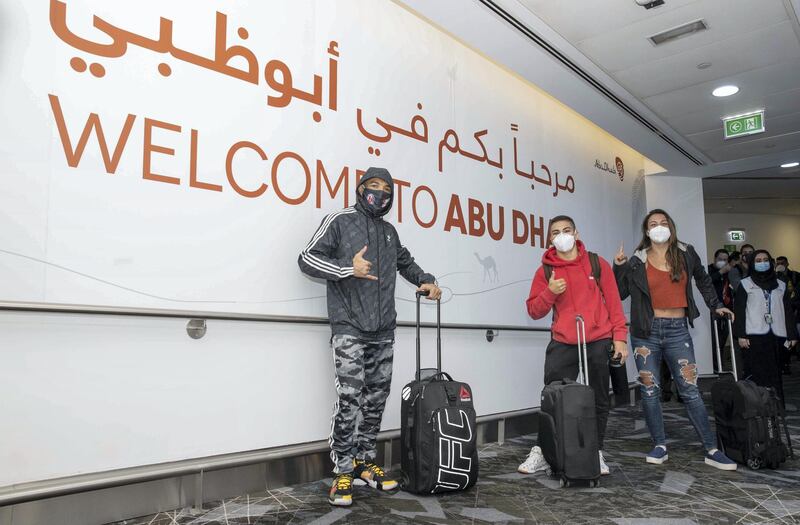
(736, 235)
(743, 125)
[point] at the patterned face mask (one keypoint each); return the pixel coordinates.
(376, 200)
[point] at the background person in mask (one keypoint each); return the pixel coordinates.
(737, 271)
(792, 280)
(572, 290)
(747, 255)
(718, 271)
(735, 276)
(764, 322)
(790, 277)
(658, 278)
(359, 253)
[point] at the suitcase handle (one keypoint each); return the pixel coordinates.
(438, 334)
(715, 328)
(719, 352)
(583, 358)
(439, 375)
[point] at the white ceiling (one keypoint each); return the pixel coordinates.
(770, 206)
(771, 190)
(754, 44)
(502, 33)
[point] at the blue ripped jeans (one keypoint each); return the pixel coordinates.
(671, 343)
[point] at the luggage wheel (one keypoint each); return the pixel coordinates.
(594, 483)
(563, 483)
(755, 463)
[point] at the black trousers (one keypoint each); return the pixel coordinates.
(786, 358)
(762, 361)
(561, 362)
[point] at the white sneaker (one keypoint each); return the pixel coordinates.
(604, 470)
(534, 462)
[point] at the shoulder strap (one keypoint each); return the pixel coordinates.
(594, 260)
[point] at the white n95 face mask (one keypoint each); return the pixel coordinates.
(564, 242)
(659, 234)
(720, 264)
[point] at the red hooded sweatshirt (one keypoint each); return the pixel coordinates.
(600, 307)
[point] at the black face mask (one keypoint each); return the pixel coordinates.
(376, 201)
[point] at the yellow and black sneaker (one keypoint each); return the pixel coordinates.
(373, 475)
(341, 493)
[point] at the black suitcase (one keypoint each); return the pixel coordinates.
(748, 419)
(438, 429)
(568, 424)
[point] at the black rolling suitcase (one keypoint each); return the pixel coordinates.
(568, 424)
(438, 430)
(748, 419)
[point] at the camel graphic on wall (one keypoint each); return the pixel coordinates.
(489, 268)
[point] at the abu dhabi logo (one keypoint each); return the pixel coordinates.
(618, 169)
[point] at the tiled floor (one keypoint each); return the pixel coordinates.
(682, 491)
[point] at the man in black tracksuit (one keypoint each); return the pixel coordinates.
(359, 254)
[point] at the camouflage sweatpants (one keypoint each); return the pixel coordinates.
(363, 378)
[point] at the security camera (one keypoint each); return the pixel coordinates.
(649, 4)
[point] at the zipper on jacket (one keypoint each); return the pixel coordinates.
(380, 281)
(645, 287)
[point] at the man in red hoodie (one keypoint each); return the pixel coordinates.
(573, 290)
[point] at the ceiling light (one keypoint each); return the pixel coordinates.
(649, 4)
(725, 91)
(678, 32)
(790, 165)
(704, 65)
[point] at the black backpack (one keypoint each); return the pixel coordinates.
(749, 419)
